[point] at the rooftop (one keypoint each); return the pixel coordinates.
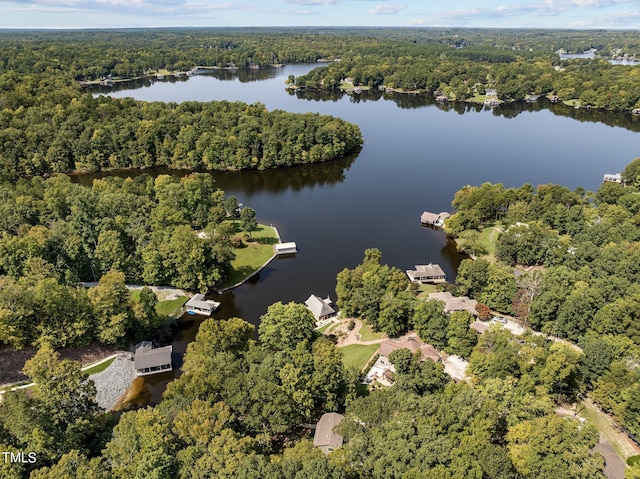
(324, 435)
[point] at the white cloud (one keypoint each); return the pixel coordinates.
(311, 2)
(386, 9)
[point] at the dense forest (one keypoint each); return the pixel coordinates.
(583, 254)
(55, 233)
(48, 124)
(240, 407)
(467, 73)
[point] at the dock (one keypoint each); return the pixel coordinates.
(149, 360)
(427, 273)
(199, 305)
(435, 220)
(285, 248)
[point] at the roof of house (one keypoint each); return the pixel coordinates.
(427, 351)
(147, 356)
(318, 306)
(441, 296)
(461, 304)
(429, 270)
(324, 435)
(388, 346)
(455, 303)
(428, 217)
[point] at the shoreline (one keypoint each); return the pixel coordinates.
(260, 268)
(174, 73)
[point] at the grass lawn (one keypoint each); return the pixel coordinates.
(425, 289)
(488, 238)
(254, 254)
(477, 98)
(607, 428)
(356, 356)
(99, 368)
(349, 86)
(572, 102)
(367, 334)
(324, 328)
(169, 307)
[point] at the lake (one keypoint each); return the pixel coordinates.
(416, 155)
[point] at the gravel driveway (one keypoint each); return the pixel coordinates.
(114, 381)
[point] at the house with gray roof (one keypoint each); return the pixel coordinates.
(149, 360)
(427, 273)
(321, 308)
(325, 438)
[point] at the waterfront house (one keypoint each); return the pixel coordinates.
(612, 178)
(325, 438)
(434, 219)
(199, 305)
(149, 360)
(321, 308)
(427, 273)
(285, 248)
(455, 303)
(491, 92)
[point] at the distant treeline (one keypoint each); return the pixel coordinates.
(462, 74)
(48, 124)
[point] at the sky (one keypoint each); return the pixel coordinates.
(619, 14)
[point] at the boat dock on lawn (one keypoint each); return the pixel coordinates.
(199, 305)
(285, 248)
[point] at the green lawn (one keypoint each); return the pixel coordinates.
(572, 102)
(488, 238)
(349, 86)
(254, 254)
(367, 334)
(99, 368)
(324, 328)
(169, 307)
(477, 98)
(356, 356)
(424, 290)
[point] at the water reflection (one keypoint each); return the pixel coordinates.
(248, 182)
(622, 119)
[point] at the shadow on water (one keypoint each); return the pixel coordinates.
(277, 180)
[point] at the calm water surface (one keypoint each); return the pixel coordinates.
(416, 155)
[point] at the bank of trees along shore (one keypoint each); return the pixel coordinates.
(48, 124)
(55, 233)
(586, 250)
